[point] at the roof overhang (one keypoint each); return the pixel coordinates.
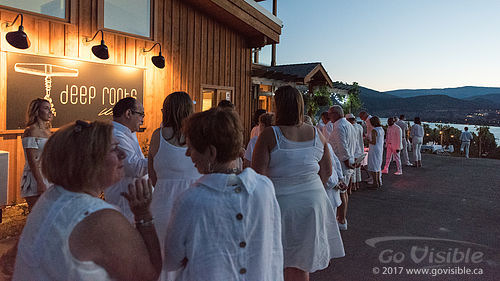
(315, 77)
(244, 16)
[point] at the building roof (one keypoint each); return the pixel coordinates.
(302, 73)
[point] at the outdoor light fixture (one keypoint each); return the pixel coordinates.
(159, 60)
(18, 39)
(100, 51)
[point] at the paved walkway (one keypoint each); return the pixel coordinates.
(443, 217)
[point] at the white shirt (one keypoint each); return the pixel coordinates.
(343, 140)
(337, 174)
(393, 137)
(135, 166)
(327, 129)
(404, 127)
(320, 124)
(360, 145)
(466, 136)
(417, 131)
(228, 227)
(250, 148)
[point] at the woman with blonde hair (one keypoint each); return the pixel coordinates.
(295, 156)
(72, 234)
(226, 226)
(170, 170)
(37, 131)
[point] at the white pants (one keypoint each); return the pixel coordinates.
(404, 153)
(416, 145)
(391, 152)
(465, 145)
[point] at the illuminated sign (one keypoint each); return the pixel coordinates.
(76, 89)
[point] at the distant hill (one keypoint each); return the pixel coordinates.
(459, 93)
(495, 98)
(428, 107)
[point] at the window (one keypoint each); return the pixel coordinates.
(58, 9)
(129, 17)
(212, 95)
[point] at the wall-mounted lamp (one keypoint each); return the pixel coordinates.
(100, 51)
(159, 60)
(18, 39)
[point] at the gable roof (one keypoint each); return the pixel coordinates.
(303, 73)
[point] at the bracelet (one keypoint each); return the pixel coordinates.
(144, 222)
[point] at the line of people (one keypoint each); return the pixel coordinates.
(188, 211)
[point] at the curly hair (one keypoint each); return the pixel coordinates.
(32, 112)
(218, 127)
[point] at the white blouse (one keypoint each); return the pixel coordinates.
(227, 227)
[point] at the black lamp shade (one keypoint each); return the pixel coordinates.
(18, 39)
(101, 51)
(158, 61)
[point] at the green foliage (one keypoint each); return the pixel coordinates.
(353, 102)
(483, 142)
(320, 97)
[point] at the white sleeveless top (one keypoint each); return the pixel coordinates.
(175, 172)
(28, 181)
(43, 250)
(294, 159)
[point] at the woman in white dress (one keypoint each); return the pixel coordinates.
(417, 138)
(71, 234)
(296, 158)
(227, 225)
(376, 151)
(170, 170)
(37, 131)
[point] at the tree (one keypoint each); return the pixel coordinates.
(353, 102)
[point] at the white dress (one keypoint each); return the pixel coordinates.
(28, 181)
(43, 250)
(309, 234)
(376, 151)
(175, 172)
(228, 227)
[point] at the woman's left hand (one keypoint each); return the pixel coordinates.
(139, 197)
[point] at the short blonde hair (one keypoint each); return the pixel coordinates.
(75, 153)
(218, 127)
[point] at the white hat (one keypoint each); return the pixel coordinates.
(349, 116)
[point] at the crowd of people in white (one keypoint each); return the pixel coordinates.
(199, 206)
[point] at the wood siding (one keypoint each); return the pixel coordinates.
(197, 49)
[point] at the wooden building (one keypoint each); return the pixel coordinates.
(207, 46)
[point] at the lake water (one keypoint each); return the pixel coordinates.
(472, 128)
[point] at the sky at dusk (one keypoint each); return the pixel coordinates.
(394, 44)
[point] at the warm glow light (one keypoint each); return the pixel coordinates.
(452, 136)
(440, 132)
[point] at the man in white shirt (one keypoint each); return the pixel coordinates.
(323, 120)
(358, 130)
(342, 140)
(404, 133)
(465, 138)
(394, 145)
(128, 116)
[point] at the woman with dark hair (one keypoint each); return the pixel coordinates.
(417, 138)
(37, 131)
(255, 123)
(376, 151)
(170, 170)
(226, 226)
(295, 156)
(72, 234)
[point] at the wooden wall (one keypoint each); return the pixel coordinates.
(197, 49)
